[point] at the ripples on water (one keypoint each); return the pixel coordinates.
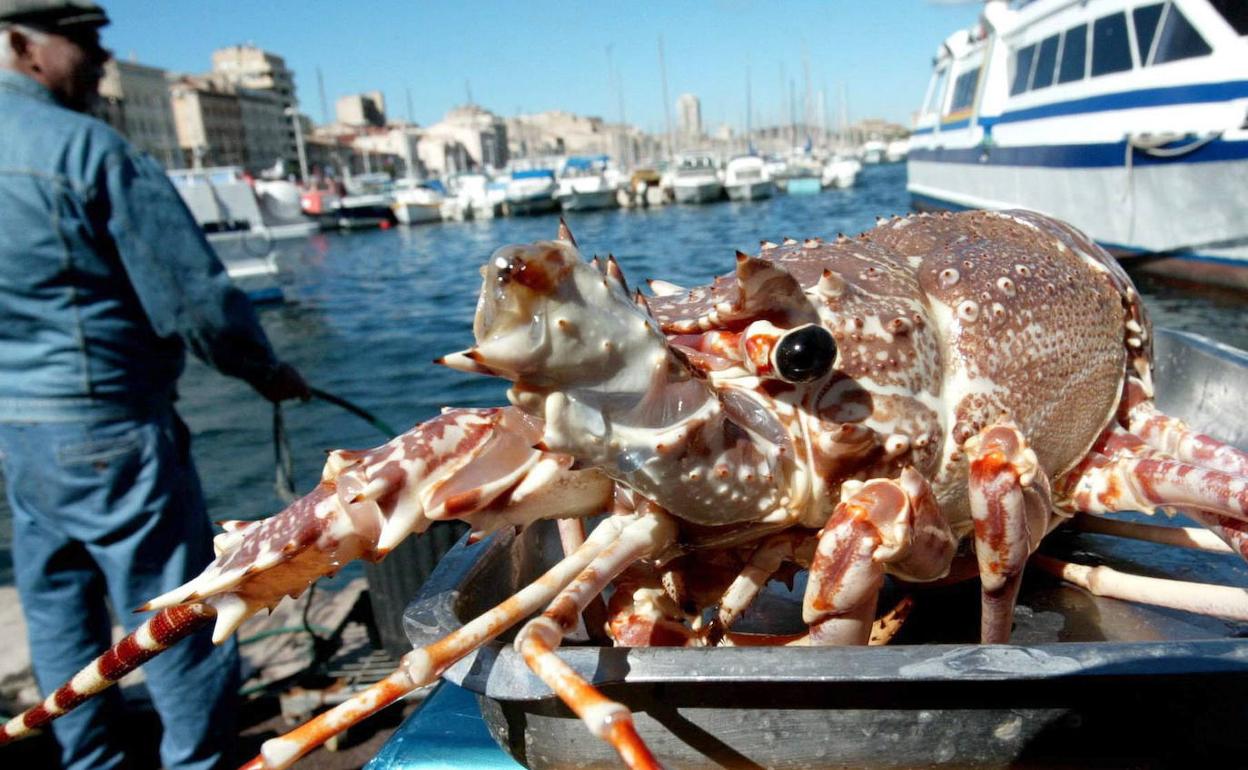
(369, 311)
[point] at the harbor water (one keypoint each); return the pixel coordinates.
(367, 313)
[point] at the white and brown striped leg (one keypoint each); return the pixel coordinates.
(1011, 509)
(156, 634)
(892, 524)
(1131, 483)
(422, 666)
(1174, 437)
(538, 640)
(746, 586)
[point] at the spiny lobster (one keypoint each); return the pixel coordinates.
(926, 400)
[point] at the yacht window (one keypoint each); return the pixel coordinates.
(1111, 52)
(1046, 60)
(1235, 12)
(938, 91)
(1022, 69)
(1179, 39)
(1074, 54)
(964, 90)
(1145, 27)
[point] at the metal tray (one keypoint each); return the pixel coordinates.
(1087, 682)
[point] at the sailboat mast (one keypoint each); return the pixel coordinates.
(667, 102)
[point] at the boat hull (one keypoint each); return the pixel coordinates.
(579, 200)
(538, 204)
(700, 192)
(1186, 212)
(750, 191)
(803, 185)
(417, 213)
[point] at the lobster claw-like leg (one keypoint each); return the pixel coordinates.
(649, 535)
(1011, 509)
(476, 465)
(878, 525)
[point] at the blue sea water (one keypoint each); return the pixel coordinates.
(369, 311)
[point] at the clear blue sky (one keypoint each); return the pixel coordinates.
(529, 56)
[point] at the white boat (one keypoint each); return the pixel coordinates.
(1124, 118)
(695, 179)
(746, 179)
(245, 221)
(840, 172)
(873, 151)
(585, 185)
(531, 191)
(229, 205)
(418, 202)
(369, 202)
(473, 195)
(896, 150)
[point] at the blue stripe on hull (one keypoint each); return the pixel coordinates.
(920, 202)
(1105, 155)
(1166, 96)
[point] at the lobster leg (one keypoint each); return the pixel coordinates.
(1182, 537)
(882, 523)
(540, 637)
(1127, 483)
(1201, 598)
(1173, 436)
(746, 586)
(1011, 508)
(422, 666)
(157, 634)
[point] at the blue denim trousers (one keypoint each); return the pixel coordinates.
(111, 513)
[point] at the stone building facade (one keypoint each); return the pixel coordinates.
(134, 99)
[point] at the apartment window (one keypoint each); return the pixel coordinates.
(1022, 69)
(1178, 39)
(1111, 52)
(1046, 61)
(1074, 54)
(964, 90)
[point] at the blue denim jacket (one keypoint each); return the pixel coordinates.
(105, 278)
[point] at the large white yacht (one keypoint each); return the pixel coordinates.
(1127, 118)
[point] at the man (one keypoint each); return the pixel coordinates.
(105, 279)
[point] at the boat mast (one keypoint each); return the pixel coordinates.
(667, 105)
(749, 144)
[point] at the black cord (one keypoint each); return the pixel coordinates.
(358, 411)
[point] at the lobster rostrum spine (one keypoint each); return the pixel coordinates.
(857, 408)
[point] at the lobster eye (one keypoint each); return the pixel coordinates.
(805, 354)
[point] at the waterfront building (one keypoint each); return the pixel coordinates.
(134, 99)
(361, 109)
(209, 123)
(467, 138)
(265, 131)
(254, 69)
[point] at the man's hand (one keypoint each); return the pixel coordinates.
(285, 383)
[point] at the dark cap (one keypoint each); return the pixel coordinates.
(53, 15)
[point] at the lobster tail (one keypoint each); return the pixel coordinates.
(156, 634)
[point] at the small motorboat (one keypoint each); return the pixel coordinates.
(746, 179)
